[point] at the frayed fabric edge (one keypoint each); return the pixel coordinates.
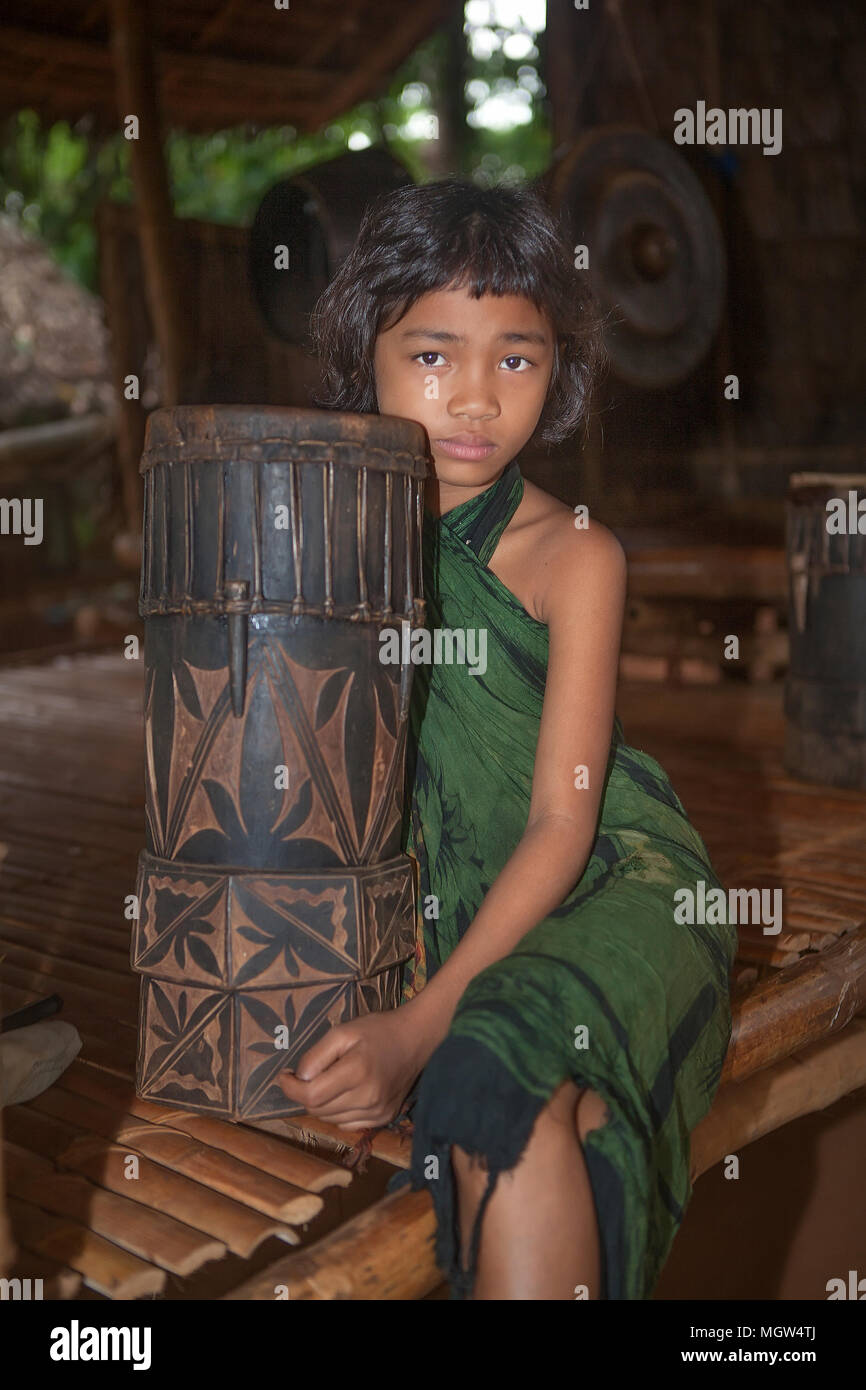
(491, 1117)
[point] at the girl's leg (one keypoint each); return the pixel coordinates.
(539, 1234)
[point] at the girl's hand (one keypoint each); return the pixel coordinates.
(358, 1075)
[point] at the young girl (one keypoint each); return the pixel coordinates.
(562, 1029)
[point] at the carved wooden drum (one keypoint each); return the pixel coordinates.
(273, 898)
(825, 691)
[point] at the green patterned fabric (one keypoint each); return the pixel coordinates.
(652, 994)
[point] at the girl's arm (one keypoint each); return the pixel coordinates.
(584, 582)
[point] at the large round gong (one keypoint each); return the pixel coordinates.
(315, 216)
(656, 258)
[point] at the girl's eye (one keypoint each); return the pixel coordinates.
(430, 354)
(515, 358)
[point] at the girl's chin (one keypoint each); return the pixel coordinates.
(468, 471)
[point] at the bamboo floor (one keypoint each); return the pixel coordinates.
(217, 1208)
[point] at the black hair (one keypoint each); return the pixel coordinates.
(424, 237)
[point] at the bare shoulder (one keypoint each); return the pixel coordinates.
(569, 549)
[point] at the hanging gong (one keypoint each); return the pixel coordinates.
(656, 258)
(315, 216)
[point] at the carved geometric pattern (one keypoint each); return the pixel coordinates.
(274, 901)
(323, 707)
(230, 957)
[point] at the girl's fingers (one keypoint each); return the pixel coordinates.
(352, 1119)
(342, 1076)
(347, 1107)
(325, 1052)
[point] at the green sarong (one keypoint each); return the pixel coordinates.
(608, 990)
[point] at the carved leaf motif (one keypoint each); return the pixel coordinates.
(261, 752)
(203, 955)
(263, 1014)
(329, 696)
(186, 689)
(386, 700)
(224, 809)
(258, 964)
(160, 999)
(296, 816)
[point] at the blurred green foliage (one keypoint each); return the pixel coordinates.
(53, 177)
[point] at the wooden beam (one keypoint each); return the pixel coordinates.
(217, 24)
(243, 75)
(384, 1253)
(64, 439)
(573, 44)
(382, 57)
(788, 1064)
(804, 1002)
(799, 1085)
(137, 95)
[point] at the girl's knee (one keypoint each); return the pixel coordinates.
(561, 1109)
(592, 1113)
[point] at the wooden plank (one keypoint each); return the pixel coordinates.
(63, 946)
(88, 1010)
(759, 573)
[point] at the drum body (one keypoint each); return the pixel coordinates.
(825, 691)
(273, 898)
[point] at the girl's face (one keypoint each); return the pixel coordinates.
(474, 373)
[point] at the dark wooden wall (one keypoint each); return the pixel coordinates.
(794, 223)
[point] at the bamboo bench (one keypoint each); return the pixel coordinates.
(797, 1046)
(212, 1199)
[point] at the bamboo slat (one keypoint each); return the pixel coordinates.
(393, 1148)
(238, 1227)
(265, 1154)
(183, 1154)
(58, 1280)
(154, 1237)
(103, 1266)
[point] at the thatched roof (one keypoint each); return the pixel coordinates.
(222, 62)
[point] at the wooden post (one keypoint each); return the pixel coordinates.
(729, 478)
(572, 49)
(448, 154)
(124, 352)
(137, 95)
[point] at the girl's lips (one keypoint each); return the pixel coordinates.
(464, 451)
